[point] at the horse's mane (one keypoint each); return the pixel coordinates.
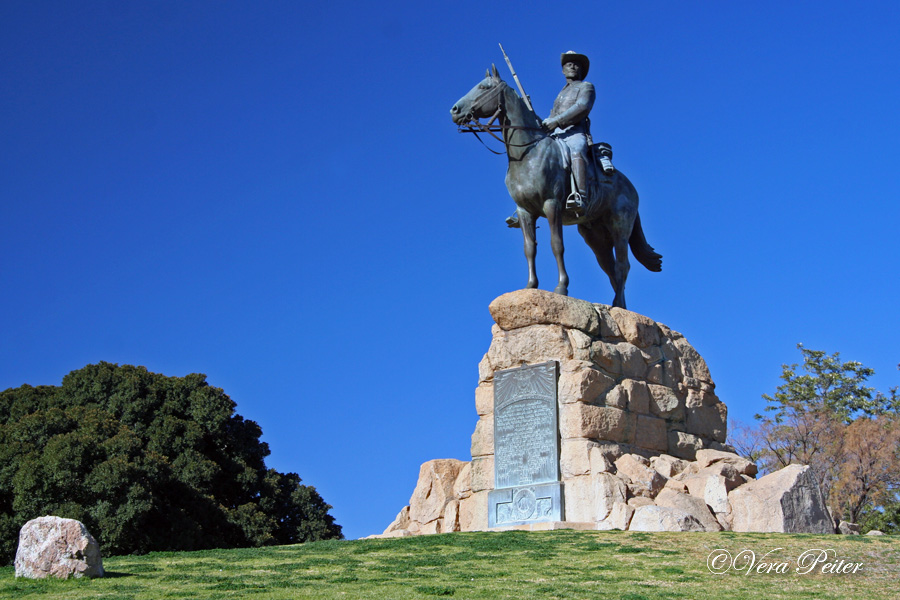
(531, 118)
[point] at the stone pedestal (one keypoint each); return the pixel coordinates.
(637, 415)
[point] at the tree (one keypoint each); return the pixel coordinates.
(884, 518)
(868, 473)
(826, 417)
(147, 462)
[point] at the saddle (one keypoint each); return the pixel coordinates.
(599, 170)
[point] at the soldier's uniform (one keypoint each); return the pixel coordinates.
(569, 122)
(570, 113)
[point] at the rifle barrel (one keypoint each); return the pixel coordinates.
(516, 78)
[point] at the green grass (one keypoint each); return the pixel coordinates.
(612, 565)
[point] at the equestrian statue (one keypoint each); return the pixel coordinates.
(555, 171)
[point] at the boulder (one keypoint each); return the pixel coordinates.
(674, 484)
(57, 547)
(846, 528)
(400, 523)
(668, 466)
(434, 489)
(450, 520)
(645, 480)
(707, 457)
(591, 499)
(636, 328)
(636, 501)
(875, 532)
(787, 501)
(539, 307)
(693, 506)
(663, 518)
(473, 512)
(462, 487)
(619, 517)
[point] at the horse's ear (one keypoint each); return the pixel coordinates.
(487, 72)
(494, 72)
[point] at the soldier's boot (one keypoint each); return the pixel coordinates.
(604, 155)
(578, 198)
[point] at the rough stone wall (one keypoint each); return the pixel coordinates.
(624, 379)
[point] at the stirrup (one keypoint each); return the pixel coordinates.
(575, 202)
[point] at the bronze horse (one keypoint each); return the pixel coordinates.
(539, 183)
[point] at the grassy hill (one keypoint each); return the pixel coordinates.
(516, 565)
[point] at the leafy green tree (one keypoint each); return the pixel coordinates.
(885, 518)
(147, 462)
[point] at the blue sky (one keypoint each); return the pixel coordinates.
(273, 194)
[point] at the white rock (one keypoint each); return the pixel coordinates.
(57, 547)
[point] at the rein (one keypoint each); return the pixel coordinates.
(473, 125)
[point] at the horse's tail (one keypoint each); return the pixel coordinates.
(641, 249)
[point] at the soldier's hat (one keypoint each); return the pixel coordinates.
(572, 56)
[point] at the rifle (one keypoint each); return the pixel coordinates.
(516, 77)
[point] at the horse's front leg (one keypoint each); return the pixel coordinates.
(527, 222)
(554, 211)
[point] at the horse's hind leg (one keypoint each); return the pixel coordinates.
(553, 212)
(598, 240)
(622, 269)
(527, 222)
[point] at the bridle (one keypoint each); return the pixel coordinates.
(473, 125)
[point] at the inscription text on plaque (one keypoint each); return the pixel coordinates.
(526, 447)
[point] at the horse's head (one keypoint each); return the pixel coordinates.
(482, 101)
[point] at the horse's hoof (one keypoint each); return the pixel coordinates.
(561, 290)
(531, 285)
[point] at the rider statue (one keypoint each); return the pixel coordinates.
(569, 122)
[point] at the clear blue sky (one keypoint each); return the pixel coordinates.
(272, 193)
